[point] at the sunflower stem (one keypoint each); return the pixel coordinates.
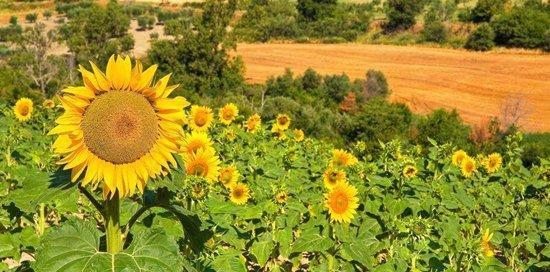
(112, 223)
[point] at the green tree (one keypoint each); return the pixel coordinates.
(523, 27)
(484, 10)
(375, 85)
(481, 39)
(443, 127)
(401, 14)
(312, 10)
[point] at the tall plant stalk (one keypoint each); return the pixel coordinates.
(112, 224)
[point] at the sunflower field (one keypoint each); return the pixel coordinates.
(119, 175)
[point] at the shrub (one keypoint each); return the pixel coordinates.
(536, 146)
(443, 127)
(434, 32)
(154, 36)
(400, 14)
(522, 27)
(31, 17)
(375, 85)
(13, 20)
(146, 22)
(312, 10)
(484, 10)
(336, 86)
(310, 80)
(47, 14)
(481, 39)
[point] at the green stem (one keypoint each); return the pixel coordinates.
(42, 219)
(112, 223)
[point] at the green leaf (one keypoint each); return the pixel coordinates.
(75, 247)
(311, 243)
(262, 250)
(230, 260)
(9, 246)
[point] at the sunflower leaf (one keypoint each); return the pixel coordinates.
(75, 247)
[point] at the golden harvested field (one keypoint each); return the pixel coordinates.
(478, 85)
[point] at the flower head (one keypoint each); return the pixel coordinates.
(196, 140)
(119, 129)
(23, 109)
(468, 166)
(487, 247)
(48, 104)
(228, 113)
(409, 171)
(342, 158)
(279, 133)
(342, 202)
(282, 121)
(239, 193)
(332, 177)
(281, 197)
(203, 163)
(200, 118)
(298, 135)
(229, 176)
(253, 123)
(458, 156)
(493, 162)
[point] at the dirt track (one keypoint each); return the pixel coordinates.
(477, 84)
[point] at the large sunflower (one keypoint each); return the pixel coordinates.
(117, 128)
(493, 162)
(342, 158)
(228, 113)
(203, 163)
(332, 177)
(458, 156)
(253, 123)
(239, 193)
(23, 109)
(342, 202)
(229, 176)
(282, 121)
(468, 166)
(200, 118)
(195, 141)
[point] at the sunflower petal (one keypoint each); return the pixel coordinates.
(80, 91)
(100, 77)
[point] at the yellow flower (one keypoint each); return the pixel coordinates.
(229, 176)
(195, 141)
(228, 113)
(118, 129)
(282, 121)
(468, 166)
(230, 134)
(281, 197)
(493, 162)
(342, 202)
(298, 135)
(486, 246)
(342, 158)
(458, 156)
(332, 177)
(239, 193)
(198, 191)
(23, 109)
(203, 163)
(410, 171)
(253, 123)
(279, 133)
(48, 104)
(200, 118)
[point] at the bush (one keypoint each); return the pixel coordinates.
(154, 36)
(375, 85)
(536, 146)
(31, 17)
(146, 22)
(443, 127)
(400, 14)
(13, 20)
(312, 10)
(47, 14)
(523, 27)
(481, 39)
(434, 32)
(336, 87)
(484, 10)
(311, 80)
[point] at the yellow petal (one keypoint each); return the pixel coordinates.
(146, 77)
(76, 172)
(166, 105)
(109, 176)
(89, 79)
(69, 119)
(80, 91)
(136, 75)
(161, 85)
(81, 155)
(169, 90)
(63, 129)
(100, 77)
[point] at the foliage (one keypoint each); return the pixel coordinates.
(375, 85)
(484, 10)
(31, 17)
(523, 27)
(400, 14)
(146, 22)
(434, 30)
(443, 127)
(312, 10)
(536, 147)
(481, 39)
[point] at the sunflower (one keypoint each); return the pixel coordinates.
(468, 166)
(279, 133)
(118, 129)
(281, 197)
(332, 177)
(341, 202)
(203, 163)
(200, 118)
(230, 134)
(228, 113)
(298, 135)
(48, 104)
(487, 247)
(229, 176)
(198, 191)
(493, 162)
(342, 158)
(410, 171)
(458, 156)
(195, 141)
(253, 123)
(239, 193)
(282, 121)
(23, 109)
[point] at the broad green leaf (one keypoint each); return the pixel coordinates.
(262, 250)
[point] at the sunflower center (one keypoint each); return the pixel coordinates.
(238, 193)
(283, 120)
(410, 171)
(199, 169)
(333, 177)
(200, 119)
(226, 177)
(120, 126)
(339, 203)
(24, 110)
(227, 114)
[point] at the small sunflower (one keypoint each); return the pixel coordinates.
(228, 113)
(282, 121)
(487, 247)
(342, 158)
(468, 166)
(229, 176)
(203, 163)
(279, 133)
(493, 162)
(198, 191)
(281, 197)
(298, 135)
(332, 177)
(253, 123)
(200, 118)
(230, 134)
(119, 129)
(342, 202)
(410, 171)
(239, 193)
(458, 156)
(195, 141)
(23, 109)
(48, 104)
